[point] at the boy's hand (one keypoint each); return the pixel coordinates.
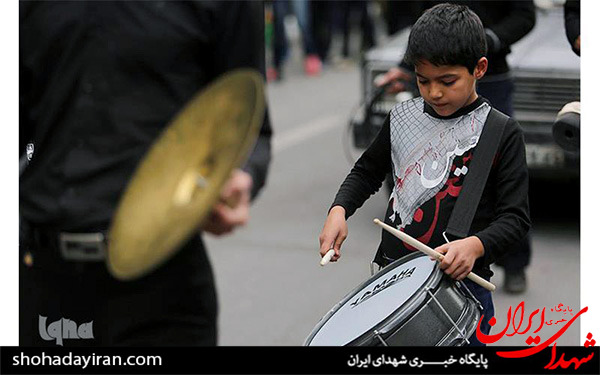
(334, 232)
(460, 256)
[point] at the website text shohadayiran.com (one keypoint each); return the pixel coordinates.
(84, 361)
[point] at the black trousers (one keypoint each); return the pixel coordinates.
(175, 305)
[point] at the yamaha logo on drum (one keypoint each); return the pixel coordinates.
(383, 285)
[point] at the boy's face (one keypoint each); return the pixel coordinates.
(447, 88)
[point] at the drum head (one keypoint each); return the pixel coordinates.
(373, 302)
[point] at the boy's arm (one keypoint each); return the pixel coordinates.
(511, 222)
(368, 173)
(364, 179)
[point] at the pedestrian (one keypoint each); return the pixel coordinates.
(572, 15)
(301, 10)
(323, 16)
(367, 29)
(400, 14)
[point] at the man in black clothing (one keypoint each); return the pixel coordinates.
(505, 23)
(99, 81)
(572, 17)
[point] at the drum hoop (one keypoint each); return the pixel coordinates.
(433, 282)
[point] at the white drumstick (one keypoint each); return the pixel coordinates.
(432, 253)
(327, 257)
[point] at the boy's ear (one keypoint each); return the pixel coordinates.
(481, 68)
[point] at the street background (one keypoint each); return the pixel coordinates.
(271, 288)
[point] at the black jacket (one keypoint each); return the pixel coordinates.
(100, 80)
(502, 216)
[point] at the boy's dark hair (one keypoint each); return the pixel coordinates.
(447, 34)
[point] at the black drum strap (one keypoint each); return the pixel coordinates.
(479, 170)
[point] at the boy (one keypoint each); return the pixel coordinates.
(428, 143)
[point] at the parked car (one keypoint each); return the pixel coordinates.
(546, 74)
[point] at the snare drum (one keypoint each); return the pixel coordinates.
(411, 302)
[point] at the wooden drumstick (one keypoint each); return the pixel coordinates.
(432, 253)
(327, 257)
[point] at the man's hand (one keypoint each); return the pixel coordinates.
(396, 77)
(460, 256)
(233, 208)
(334, 232)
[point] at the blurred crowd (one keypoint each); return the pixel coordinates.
(320, 22)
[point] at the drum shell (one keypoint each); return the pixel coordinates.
(428, 325)
(419, 321)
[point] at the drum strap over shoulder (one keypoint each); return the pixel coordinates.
(479, 170)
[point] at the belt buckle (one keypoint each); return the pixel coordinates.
(86, 247)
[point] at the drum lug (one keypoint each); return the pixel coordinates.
(462, 334)
(463, 286)
(378, 335)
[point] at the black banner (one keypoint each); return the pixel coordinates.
(298, 360)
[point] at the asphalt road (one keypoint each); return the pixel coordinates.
(271, 288)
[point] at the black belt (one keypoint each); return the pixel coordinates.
(81, 247)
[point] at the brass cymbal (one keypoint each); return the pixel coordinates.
(180, 179)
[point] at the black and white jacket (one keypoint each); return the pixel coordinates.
(428, 157)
